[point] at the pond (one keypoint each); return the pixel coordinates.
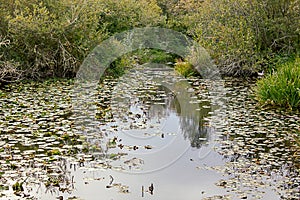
(150, 134)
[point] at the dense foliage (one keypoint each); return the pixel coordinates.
(49, 38)
(244, 36)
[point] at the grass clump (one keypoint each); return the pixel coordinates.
(282, 88)
(186, 69)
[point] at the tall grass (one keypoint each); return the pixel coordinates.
(281, 88)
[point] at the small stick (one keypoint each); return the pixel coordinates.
(151, 188)
(112, 179)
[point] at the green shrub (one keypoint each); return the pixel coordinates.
(281, 88)
(121, 15)
(140, 56)
(119, 66)
(178, 12)
(8, 68)
(153, 56)
(50, 38)
(244, 36)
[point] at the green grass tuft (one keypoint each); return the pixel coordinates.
(186, 69)
(281, 88)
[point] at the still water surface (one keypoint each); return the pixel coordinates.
(155, 135)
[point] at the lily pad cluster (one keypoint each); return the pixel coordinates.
(37, 136)
(42, 143)
(259, 146)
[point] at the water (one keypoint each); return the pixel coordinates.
(160, 132)
(150, 127)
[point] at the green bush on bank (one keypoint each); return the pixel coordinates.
(244, 37)
(281, 88)
(121, 15)
(49, 38)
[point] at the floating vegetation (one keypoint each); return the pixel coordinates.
(36, 136)
(260, 148)
(44, 142)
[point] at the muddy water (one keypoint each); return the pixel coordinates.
(152, 135)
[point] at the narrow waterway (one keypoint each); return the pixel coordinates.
(150, 134)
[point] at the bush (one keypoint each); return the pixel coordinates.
(243, 36)
(153, 56)
(121, 15)
(178, 12)
(8, 69)
(46, 38)
(119, 66)
(281, 88)
(140, 56)
(50, 38)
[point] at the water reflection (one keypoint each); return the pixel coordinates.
(191, 111)
(156, 101)
(150, 128)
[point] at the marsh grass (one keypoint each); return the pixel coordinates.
(281, 88)
(186, 69)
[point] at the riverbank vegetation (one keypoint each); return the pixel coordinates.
(46, 38)
(281, 87)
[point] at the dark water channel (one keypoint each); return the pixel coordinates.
(153, 135)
